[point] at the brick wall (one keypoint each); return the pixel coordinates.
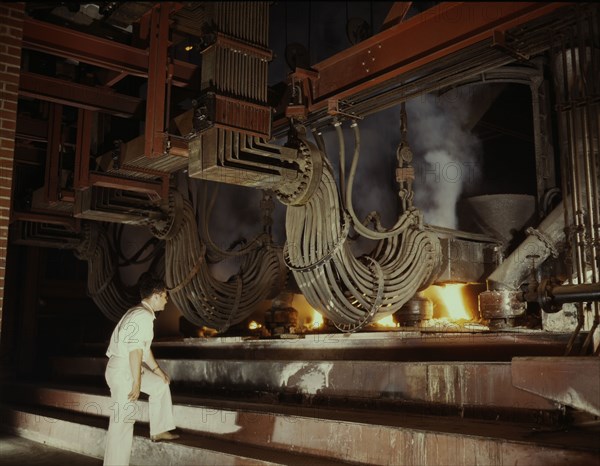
(11, 34)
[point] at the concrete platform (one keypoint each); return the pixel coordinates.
(19, 450)
(360, 437)
(370, 399)
(85, 434)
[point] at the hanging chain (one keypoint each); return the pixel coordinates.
(405, 173)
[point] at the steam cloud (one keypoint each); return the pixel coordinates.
(447, 155)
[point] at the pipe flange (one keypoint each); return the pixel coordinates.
(544, 239)
(298, 191)
(545, 298)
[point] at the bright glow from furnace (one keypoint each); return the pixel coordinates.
(317, 320)
(449, 300)
(254, 325)
(188, 48)
(386, 322)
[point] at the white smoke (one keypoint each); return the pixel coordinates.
(447, 155)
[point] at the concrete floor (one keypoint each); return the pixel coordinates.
(18, 450)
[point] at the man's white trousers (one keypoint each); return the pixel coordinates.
(123, 412)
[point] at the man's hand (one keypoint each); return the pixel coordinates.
(163, 375)
(134, 394)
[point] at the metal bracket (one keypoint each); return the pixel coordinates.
(333, 108)
(499, 41)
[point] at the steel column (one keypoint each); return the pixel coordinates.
(82, 149)
(51, 182)
(157, 80)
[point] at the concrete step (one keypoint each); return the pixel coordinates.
(466, 388)
(360, 437)
(85, 434)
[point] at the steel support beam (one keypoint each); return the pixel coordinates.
(418, 41)
(31, 129)
(52, 176)
(396, 14)
(77, 95)
(157, 82)
(572, 381)
(70, 223)
(82, 149)
(148, 187)
(68, 43)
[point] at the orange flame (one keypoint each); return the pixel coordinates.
(253, 325)
(449, 301)
(316, 320)
(386, 322)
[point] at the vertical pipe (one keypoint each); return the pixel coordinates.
(575, 172)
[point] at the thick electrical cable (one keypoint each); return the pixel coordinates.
(349, 290)
(203, 299)
(103, 281)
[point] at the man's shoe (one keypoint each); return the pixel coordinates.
(164, 436)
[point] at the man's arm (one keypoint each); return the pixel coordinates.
(135, 364)
(154, 367)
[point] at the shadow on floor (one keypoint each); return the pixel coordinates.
(17, 450)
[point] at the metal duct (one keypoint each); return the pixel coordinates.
(234, 69)
(540, 244)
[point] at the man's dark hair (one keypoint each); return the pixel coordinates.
(149, 284)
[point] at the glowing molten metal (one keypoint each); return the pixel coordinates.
(448, 301)
(317, 320)
(386, 322)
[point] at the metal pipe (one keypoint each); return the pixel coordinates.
(586, 292)
(575, 172)
(590, 335)
(580, 321)
(515, 269)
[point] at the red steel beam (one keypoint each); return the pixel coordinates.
(396, 14)
(157, 81)
(68, 43)
(31, 129)
(82, 149)
(422, 39)
(77, 95)
(106, 181)
(69, 223)
(52, 177)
